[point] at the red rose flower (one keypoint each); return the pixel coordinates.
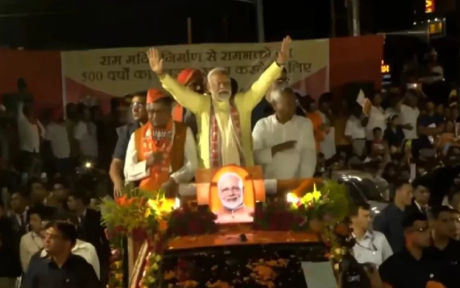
(139, 234)
(120, 229)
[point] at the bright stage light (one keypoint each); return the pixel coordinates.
(176, 203)
(292, 198)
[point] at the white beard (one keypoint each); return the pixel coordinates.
(221, 97)
(233, 205)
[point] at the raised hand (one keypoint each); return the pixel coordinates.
(283, 54)
(155, 61)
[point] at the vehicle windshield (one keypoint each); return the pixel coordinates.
(363, 190)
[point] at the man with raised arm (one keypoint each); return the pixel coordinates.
(224, 126)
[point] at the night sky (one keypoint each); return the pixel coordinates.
(83, 24)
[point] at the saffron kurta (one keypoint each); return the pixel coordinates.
(200, 105)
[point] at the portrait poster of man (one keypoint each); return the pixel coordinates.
(232, 196)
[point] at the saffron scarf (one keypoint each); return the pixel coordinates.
(158, 140)
(219, 149)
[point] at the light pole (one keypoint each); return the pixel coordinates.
(260, 21)
(353, 17)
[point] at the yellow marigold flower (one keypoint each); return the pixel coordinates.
(316, 195)
(117, 264)
(154, 267)
(307, 198)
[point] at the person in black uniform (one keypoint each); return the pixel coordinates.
(56, 266)
(443, 232)
(414, 267)
(124, 132)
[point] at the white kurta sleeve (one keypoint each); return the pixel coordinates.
(186, 172)
(49, 132)
(348, 128)
(134, 170)
(262, 154)
(41, 130)
(24, 254)
(308, 154)
(93, 260)
(21, 118)
(20, 111)
(80, 131)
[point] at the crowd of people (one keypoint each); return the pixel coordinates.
(158, 138)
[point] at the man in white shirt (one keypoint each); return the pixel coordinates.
(284, 143)
(409, 115)
(371, 246)
(376, 117)
(56, 134)
(355, 131)
(30, 132)
(32, 241)
(29, 128)
(87, 251)
(327, 146)
(86, 133)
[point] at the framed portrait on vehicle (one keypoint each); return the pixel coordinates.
(231, 192)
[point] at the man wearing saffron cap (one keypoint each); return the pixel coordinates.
(192, 79)
(224, 125)
(161, 153)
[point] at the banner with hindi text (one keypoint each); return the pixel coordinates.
(100, 74)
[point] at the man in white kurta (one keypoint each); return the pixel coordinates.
(284, 143)
(377, 117)
(161, 153)
(136, 170)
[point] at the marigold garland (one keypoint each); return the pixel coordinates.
(152, 216)
(142, 216)
(319, 211)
